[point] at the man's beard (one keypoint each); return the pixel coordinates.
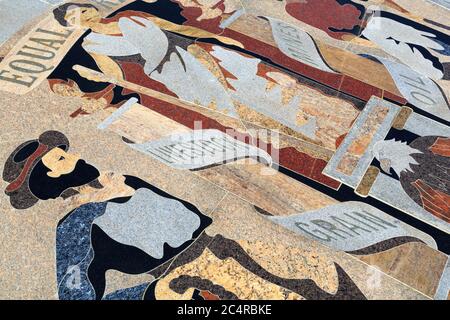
(45, 187)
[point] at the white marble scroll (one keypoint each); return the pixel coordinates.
(199, 149)
(364, 162)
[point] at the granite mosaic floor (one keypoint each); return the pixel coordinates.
(225, 149)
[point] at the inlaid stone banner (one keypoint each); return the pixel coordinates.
(224, 150)
(414, 164)
(39, 53)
